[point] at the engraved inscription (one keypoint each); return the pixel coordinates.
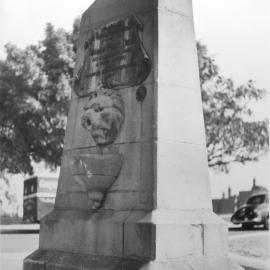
(114, 57)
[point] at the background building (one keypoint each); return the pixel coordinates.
(232, 202)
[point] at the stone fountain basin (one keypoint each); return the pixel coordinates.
(96, 172)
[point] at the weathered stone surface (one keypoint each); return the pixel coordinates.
(177, 234)
(136, 127)
(203, 263)
(176, 39)
(103, 10)
(135, 234)
(173, 111)
(182, 176)
(183, 7)
(55, 260)
(133, 190)
(72, 115)
(87, 232)
(36, 260)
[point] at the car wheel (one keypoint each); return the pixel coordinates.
(266, 224)
(247, 226)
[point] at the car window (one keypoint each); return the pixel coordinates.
(256, 199)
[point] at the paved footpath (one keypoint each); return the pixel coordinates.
(255, 244)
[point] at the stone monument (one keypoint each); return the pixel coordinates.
(133, 191)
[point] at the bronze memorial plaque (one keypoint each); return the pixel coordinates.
(114, 58)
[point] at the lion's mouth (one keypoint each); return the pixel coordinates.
(100, 133)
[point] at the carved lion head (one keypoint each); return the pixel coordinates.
(103, 116)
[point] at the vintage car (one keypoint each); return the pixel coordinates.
(254, 212)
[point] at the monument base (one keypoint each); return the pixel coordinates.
(108, 240)
(57, 260)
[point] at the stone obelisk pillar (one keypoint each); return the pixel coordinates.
(134, 191)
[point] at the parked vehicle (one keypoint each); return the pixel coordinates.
(38, 198)
(254, 212)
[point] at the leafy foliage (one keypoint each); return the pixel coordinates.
(35, 84)
(34, 93)
(232, 134)
(7, 196)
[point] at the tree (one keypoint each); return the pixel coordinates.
(232, 134)
(7, 195)
(35, 84)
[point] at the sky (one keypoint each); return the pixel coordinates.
(236, 32)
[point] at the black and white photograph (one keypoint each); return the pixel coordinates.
(134, 134)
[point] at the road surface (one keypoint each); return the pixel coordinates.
(15, 247)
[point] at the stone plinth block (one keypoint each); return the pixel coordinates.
(158, 239)
(133, 191)
(55, 260)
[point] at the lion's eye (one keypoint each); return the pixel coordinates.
(86, 122)
(98, 109)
